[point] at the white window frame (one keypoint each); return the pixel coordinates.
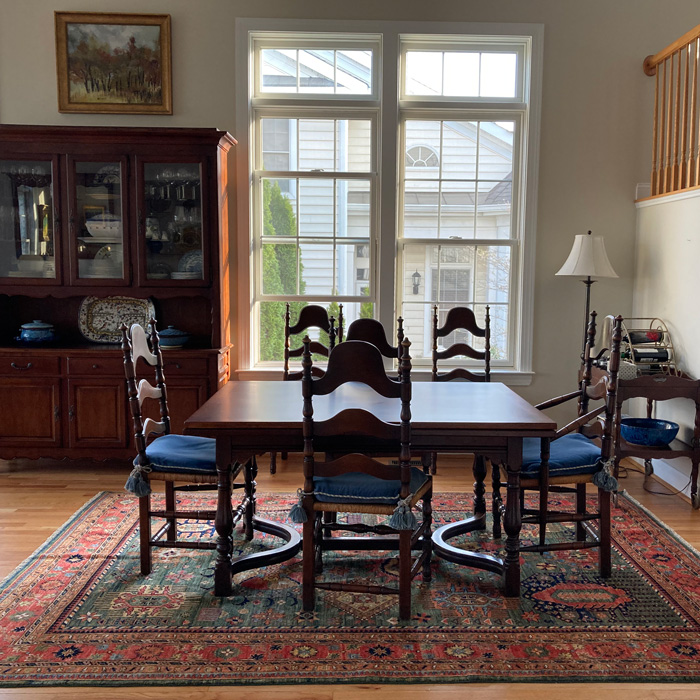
(386, 255)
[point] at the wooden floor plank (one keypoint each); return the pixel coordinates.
(38, 496)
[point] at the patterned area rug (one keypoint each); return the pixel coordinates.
(78, 612)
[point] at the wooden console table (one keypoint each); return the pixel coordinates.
(660, 387)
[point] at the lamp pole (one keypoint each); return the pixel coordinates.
(588, 282)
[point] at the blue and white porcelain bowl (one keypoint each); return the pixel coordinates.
(37, 332)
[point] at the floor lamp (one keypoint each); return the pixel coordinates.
(587, 259)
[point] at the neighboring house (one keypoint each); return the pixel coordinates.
(458, 185)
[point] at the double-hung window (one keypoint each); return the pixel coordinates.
(462, 113)
(314, 179)
(390, 171)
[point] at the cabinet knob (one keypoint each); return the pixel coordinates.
(56, 413)
(95, 366)
(176, 365)
(16, 366)
(71, 412)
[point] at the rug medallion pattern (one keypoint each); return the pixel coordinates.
(79, 612)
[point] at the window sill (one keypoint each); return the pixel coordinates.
(507, 377)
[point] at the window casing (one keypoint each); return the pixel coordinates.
(481, 210)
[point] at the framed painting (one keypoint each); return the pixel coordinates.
(113, 63)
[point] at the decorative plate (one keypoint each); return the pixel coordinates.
(159, 268)
(99, 319)
(191, 262)
(108, 252)
(109, 174)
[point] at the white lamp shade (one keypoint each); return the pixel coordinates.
(587, 258)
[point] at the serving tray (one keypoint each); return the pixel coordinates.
(100, 318)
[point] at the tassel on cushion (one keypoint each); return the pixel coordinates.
(604, 479)
(136, 484)
(297, 514)
(402, 518)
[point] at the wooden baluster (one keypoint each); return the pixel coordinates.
(655, 162)
(684, 155)
(664, 132)
(675, 180)
(695, 127)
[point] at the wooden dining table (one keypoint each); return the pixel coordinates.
(249, 418)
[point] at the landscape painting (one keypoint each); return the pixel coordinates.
(113, 63)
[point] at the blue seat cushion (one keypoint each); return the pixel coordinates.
(357, 487)
(188, 454)
(569, 455)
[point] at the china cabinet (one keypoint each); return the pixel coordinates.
(95, 225)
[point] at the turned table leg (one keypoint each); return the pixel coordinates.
(512, 521)
(224, 519)
(479, 470)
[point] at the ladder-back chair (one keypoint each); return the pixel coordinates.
(581, 453)
(169, 458)
(311, 316)
(372, 331)
(353, 481)
(462, 318)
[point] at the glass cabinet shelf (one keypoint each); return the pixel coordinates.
(99, 220)
(173, 221)
(27, 219)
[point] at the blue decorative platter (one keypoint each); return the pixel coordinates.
(191, 262)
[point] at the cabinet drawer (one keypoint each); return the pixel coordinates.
(191, 366)
(97, 366)
(23, 365)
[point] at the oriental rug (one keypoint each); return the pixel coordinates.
(78, 612)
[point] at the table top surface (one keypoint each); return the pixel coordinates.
(248, 405)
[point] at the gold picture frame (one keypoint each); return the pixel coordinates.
(91, 211)
(95, 57)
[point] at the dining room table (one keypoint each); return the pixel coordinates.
(250, 418)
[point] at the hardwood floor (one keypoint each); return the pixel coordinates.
(36, 497)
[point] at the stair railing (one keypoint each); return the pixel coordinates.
(676, 140)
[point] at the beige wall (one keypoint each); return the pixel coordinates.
(596, 118)
(667, 285)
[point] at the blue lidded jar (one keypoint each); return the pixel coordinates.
(37, 332)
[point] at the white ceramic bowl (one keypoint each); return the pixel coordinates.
(104, 229)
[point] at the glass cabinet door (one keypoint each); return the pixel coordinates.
(27, 220)
(171, 228)
(97, 219)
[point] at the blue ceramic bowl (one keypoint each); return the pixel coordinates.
(648, 431)
(171, 337)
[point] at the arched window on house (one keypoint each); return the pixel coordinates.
(421, 157)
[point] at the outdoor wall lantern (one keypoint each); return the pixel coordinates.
(416, 281)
